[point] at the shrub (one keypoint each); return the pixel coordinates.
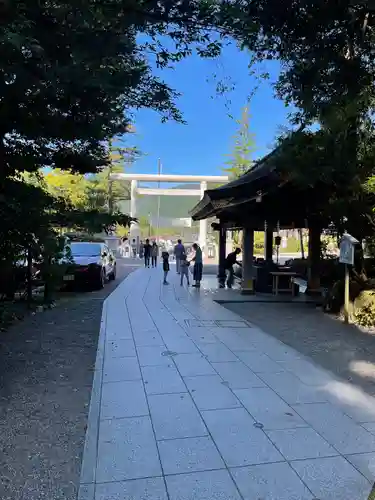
(364, 308)
(369, 266)
(334, 302)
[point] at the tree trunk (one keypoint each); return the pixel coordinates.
(314, 255)
(47, 281)
(29, 276)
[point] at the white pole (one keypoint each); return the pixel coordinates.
(133, 199)
(346, 295)
(158, 211)
(134, 228)
(301, 243)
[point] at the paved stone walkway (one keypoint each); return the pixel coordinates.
(190, 402)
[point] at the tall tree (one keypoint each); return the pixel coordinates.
(94, 192)
(102, 192)
(327, 55)
(240, 159)
(67, 185)
(70, 72)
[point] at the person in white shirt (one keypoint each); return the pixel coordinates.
(184, 269)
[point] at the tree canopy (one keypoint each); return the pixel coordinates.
(326, 51)
(72, 72)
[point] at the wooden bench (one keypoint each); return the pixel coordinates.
(276, 280)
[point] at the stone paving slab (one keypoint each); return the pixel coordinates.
(190, 402)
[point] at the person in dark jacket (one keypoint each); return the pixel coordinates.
(228, 266)
(147, 252)
(179, 250)
(165, 257)
(198, 265)
(134, 248)
(154, 254)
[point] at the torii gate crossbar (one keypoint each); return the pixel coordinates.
(134, 190)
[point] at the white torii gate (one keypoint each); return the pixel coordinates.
(136, 178)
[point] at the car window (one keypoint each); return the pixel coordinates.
(83, 249)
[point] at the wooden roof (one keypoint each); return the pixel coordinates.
(239, 191)
(261, 194)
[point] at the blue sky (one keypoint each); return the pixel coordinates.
(201, 146)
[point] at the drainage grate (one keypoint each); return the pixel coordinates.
(200, 323)
(224, 323)
(207, 323)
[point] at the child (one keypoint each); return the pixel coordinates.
(165, 257)
(154, 254)
(184, 268)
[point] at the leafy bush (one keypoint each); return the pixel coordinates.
(364, 308)
(369, 266)
(335, 300)
(258, 240)
(292, 245)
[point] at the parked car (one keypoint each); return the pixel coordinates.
(91, 263)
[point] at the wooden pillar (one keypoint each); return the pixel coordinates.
(314, 256)
(222, 254)
(203, 223)
(247, 261)
(229, 242)
(268, 243)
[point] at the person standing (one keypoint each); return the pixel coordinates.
(179, 250)
(147, 252)
(198, 265)
(141, 249)
(184, 268)
(154, 254)
(228, 266)
(134, 248)
(165, 257)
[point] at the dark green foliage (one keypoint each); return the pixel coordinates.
(364, 308)
(71, 73)
(327, 55)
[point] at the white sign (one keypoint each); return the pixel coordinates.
(347, 246)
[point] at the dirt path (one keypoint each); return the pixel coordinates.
(46, 371)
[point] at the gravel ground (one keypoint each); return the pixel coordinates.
(46, 371)
(345, 350)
